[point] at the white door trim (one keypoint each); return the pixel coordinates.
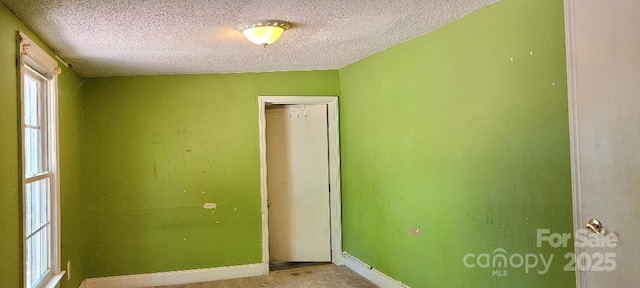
(573, 129)
(334, 170)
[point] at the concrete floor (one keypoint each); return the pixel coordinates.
(320, 276)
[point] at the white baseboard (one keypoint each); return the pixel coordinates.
(370, 273)
(175, 277)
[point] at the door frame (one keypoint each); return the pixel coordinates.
(576, 173)
(576, 178)
(334, 169)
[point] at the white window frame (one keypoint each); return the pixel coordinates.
(34, 58)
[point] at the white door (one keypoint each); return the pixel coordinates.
(298, 183)
(604, 76)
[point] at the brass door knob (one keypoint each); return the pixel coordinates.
(595, 226)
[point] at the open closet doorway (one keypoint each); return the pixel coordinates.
(300, 180)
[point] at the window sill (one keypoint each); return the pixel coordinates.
(53, 281)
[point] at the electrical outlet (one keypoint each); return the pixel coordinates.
(69, 270)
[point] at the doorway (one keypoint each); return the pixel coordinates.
(300, 185)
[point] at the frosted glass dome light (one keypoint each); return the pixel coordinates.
(263, 32)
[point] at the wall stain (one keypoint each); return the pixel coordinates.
(155, 169)
(160, 155)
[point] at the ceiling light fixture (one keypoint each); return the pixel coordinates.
(263, 32)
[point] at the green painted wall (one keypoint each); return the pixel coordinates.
(157, 148)
(70, 115)
(446, 134)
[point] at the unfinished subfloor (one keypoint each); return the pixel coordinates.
(320, 276)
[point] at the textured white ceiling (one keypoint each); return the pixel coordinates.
(144, 37)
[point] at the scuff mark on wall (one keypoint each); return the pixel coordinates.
(160, 152)
(415, 231)
(209, 206)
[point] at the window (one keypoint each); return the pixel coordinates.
(39, 165)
